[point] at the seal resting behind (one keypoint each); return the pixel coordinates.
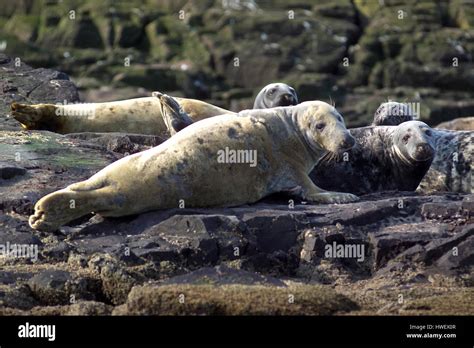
(190, 167)
(139, 115)
(274, 95)
(384, 158)
(452, 166)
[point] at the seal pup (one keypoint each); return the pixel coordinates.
(189, 167)
(139, 115)
(452, 166)
(384, 158)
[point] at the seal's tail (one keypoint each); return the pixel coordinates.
(31, 116)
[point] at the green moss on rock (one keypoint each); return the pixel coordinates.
(234, 300)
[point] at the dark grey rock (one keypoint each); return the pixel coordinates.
(19, 238)
(436, 248)
(441, 210)
(17, 297)
(120, 142)
(57, 252)
(8, 171)
(50, 286)
(221, 275)
(56, 287)
(393, 240)
(116, 282)
(460, 258)
(27, 85)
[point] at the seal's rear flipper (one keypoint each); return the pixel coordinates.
(63, 206)
(174, 116)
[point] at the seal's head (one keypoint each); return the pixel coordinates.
(414, 141)
(274, 95)
(322, 127)
(392, 114)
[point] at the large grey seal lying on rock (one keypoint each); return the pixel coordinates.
(384, 158)
(220, 161)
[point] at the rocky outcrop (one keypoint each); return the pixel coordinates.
(356, 53)
(21, 83)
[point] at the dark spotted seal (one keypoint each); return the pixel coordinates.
(451, 169)
(384, 158)
(392, 114)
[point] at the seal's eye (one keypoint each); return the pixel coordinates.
(320, 126)
(405, 138)
(428, 132)
(270, 92)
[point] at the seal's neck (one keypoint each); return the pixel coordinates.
(312, 149)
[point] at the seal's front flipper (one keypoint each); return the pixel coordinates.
(333, 197)
(33, 116)
(309, 191)
(174, 116)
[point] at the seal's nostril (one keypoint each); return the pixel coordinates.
(424, 149)
(348, 142)
(287, 100)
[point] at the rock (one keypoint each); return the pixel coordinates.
(441, 211)
(451, 255)
(223, 275)
(54, 287)
(88, 308)
(120, 142)
(17, 297)
(393, 240)
(116, 282)
(10, 171)
(50, 286)
(436, 248)
(460, 259)
(21, 83)
(468, 205)
(19, 238)
(58, 252)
